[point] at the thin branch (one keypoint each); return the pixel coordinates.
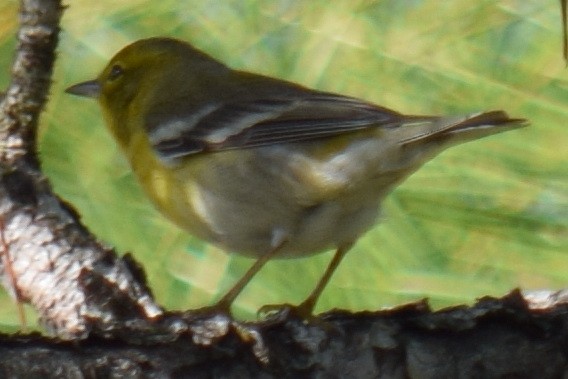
(55, 259)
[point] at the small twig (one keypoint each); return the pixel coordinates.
(10, 274)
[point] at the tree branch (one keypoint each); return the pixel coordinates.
(497, 338)
(54, 258)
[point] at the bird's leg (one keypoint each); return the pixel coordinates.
(211, 323)
(306, 308)
(224, 304)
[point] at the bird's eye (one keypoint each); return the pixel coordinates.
(116, 71)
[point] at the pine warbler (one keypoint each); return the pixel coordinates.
(261, 166)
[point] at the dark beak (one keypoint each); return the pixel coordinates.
(92, 88)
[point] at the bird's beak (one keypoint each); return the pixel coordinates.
(92, 88)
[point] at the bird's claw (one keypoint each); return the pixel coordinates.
(209, 324)
(281, 312)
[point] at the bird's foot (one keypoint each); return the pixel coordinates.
(217, 310)
(209, 324)
(281, 312)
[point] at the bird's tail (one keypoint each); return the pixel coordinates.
(456, 129)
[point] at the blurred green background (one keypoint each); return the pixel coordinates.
(480, 219)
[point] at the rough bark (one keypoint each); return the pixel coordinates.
(497, 338)
(51, 258)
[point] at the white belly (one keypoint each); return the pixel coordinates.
(314, 205)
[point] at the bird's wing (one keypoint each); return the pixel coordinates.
(250, 123)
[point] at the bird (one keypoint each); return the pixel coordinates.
(259, 166)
